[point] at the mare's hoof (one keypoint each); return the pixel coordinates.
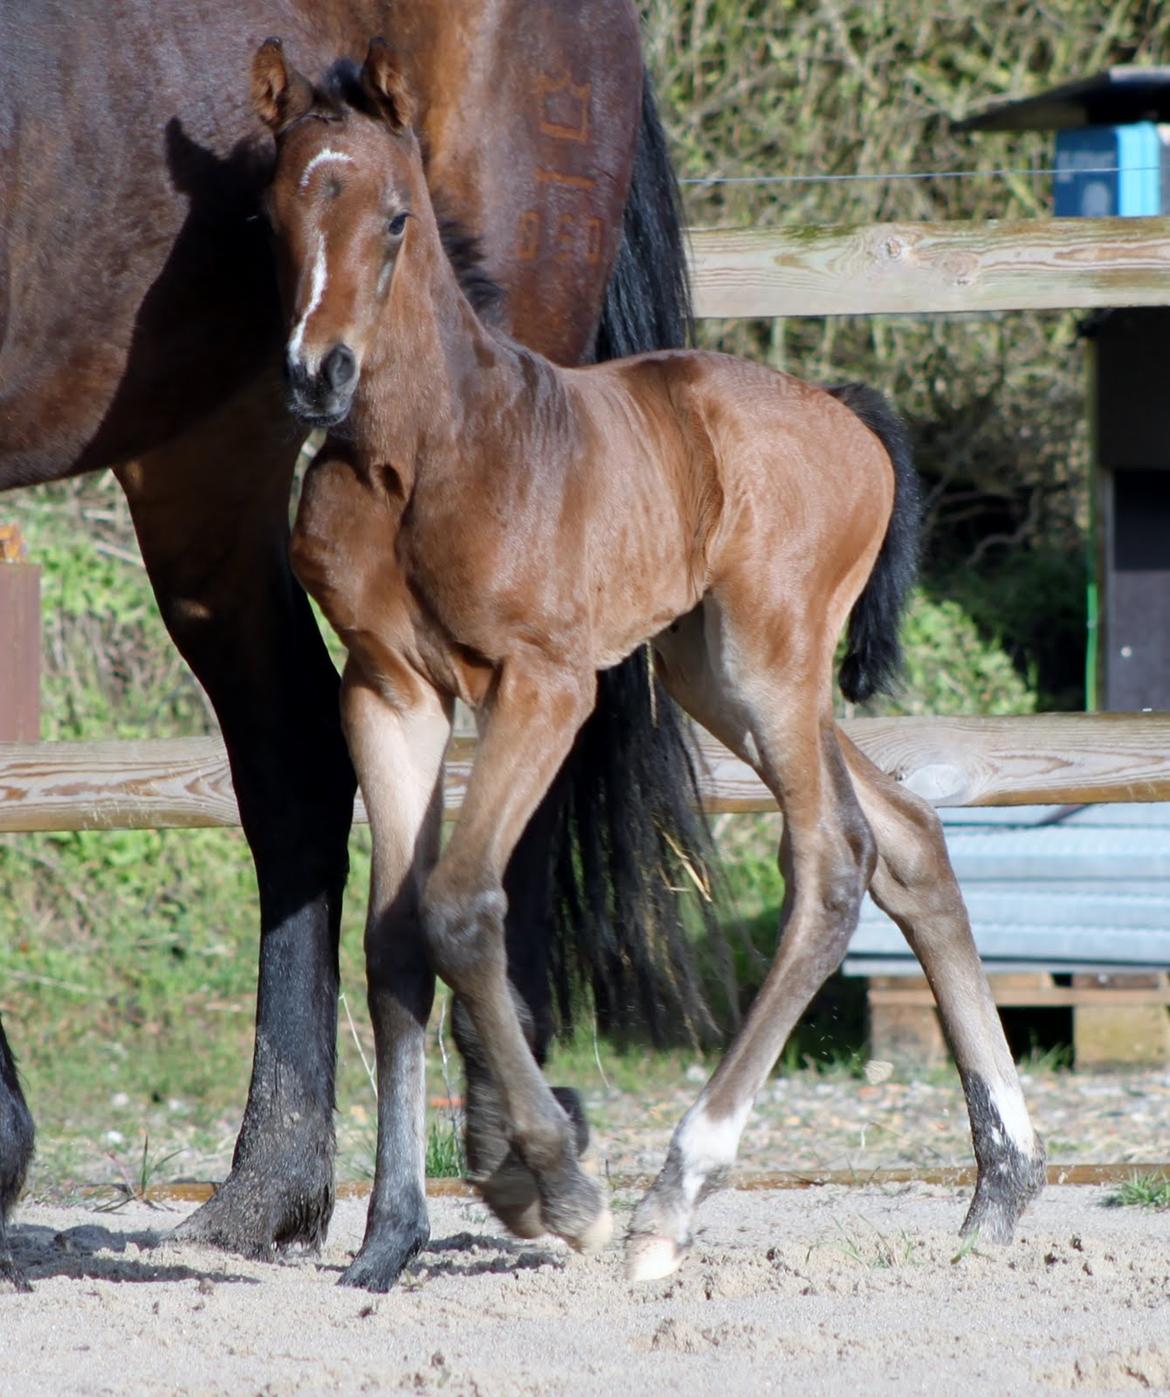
(383, 1259)
(652, 1258)
(11, 1274)
(256, 1214)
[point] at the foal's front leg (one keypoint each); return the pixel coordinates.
(398, 750)
(525, 734)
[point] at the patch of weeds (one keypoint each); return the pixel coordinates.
(135, 1188)
(1041, 1061)
(878, 1252)
(444, 1153)
(967, 1247)
(1142, 1191)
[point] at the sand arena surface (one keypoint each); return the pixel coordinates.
(833, 1291)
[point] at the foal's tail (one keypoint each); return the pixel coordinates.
(873, 653)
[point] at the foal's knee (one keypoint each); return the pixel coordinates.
(464, 933)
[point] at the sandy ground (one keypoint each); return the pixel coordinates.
(833, 1291)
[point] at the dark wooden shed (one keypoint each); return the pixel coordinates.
(1113, 158)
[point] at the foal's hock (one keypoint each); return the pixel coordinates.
(482, 524)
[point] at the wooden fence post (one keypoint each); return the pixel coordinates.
(20, 641)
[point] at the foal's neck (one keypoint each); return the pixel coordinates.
(421, 390)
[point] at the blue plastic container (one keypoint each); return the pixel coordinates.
(1135, 157)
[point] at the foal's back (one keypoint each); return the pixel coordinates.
(701, 467)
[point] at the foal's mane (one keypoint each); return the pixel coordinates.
(342, 90)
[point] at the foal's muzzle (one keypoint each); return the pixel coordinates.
(324, 396)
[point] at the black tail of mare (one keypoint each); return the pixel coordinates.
(873, 654)
(631, 836)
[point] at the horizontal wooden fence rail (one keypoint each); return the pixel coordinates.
(895, 268)
(1059, 759)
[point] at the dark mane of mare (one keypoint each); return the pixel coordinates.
(139, 331)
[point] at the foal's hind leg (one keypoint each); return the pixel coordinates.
(769, 703)
(398, 752)
(534, 715)
(914, 884)
(16, 1148)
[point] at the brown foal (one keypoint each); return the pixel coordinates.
(484, 525)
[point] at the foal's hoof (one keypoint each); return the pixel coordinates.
(575, 1207)
(652, 1258)
(510, 1190)
(383, 1259)
(596, 1235)
(1001, 1195)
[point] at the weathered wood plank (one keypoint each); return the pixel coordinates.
(1063, 759)
(894, 268)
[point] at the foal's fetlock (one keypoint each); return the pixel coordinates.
(1011, 1160)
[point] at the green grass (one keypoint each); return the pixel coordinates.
(444, 1152)
(873, 1249)
(1143, 1191)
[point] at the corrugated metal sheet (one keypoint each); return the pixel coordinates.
(1058, 888)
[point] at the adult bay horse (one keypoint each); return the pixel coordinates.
(483, 524)
(140, 330)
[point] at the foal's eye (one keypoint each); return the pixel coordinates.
(397, 224)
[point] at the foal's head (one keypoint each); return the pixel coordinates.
(347, 176)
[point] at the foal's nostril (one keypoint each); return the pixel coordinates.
(339, 367)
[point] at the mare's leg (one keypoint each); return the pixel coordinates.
(16, 1149)
(398, 752)
(761, 687)
(533, 718)
(211, 512)
(915, 885)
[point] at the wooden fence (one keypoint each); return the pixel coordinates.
(880, 268)
(1061, 758)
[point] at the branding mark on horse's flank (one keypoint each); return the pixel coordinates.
(564, 107)
(319, 159)
(528, 235)
(593, 240)
(546, 176)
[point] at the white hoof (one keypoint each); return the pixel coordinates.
(596, 1235)
(652, 1258)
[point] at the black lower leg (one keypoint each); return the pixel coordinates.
(401, 992)
(295, 787)
(16, 1149)
(1010, 1174)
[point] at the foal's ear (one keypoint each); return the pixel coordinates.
(280, 95)
(385, 85)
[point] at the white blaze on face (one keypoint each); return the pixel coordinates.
(319, 277)
(319, 274)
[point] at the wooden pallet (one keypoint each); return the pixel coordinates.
(1118, 1019)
